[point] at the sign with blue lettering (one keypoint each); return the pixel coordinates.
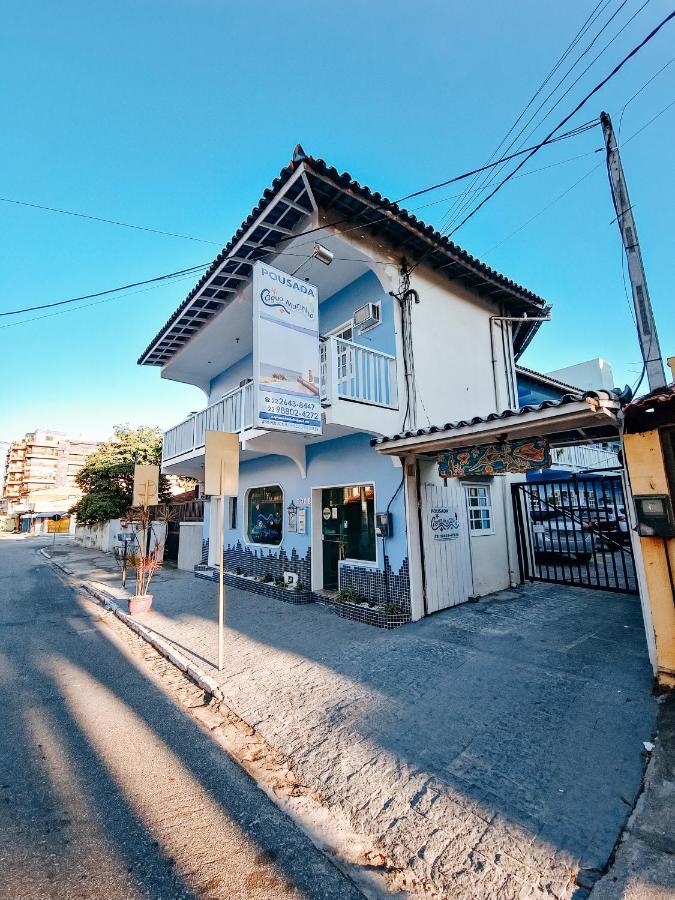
(286, 360)
(444, 523)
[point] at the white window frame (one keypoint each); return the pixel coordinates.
(479, 532)
(244, 530)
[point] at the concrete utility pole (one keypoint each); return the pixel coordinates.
(646, 326)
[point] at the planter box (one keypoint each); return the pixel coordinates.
(140, 603)
(358, 612)
(264, 588)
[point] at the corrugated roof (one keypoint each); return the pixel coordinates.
(348, 200)
(493, 417)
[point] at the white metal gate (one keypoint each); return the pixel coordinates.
(447, 549)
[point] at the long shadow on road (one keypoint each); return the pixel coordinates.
(85, 740)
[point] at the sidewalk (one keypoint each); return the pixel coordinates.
(493, 750)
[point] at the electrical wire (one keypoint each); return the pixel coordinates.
(576, 183)
(557, 65)
(79, 215)
(169, 276)
(70, 309)
(652, 34)
(640, 90)
(490, 179)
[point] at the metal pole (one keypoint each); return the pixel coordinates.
(646, 326)
(221, 579)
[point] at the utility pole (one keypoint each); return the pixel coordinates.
(646, 326)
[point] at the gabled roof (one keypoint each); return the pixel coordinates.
(303, 186)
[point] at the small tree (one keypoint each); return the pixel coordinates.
(107, 478)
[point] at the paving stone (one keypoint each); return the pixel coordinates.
(490, 729)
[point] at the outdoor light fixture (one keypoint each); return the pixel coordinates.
(292, 510)
(323, 254)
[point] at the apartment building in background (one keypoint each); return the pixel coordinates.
(39, 478)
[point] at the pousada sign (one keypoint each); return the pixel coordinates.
(286, 356)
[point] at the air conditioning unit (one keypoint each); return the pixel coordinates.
(367, 316)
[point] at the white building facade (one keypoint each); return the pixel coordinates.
(414, 331)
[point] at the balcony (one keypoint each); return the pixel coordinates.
(359, 392)
(233, 413)
(585, 457)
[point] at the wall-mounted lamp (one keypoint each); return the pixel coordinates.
(292, 511)
(323, 254)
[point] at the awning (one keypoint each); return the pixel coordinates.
(44, 515)
(573, 419)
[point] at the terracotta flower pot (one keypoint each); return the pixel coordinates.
(140, 603)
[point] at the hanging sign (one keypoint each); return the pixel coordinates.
(495, 459)
(286, 356)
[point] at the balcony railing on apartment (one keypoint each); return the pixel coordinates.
(233, 412)
(352, 372)
(348, 372)
(584, 457)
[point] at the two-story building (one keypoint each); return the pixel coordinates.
(413, 331)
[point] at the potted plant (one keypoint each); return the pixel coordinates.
(145, 562)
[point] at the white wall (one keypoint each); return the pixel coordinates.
(451, 343)
(99, 537)
(592, 375)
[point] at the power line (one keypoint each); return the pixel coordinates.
(576, 183)
(566, 119)
(70, 309)
(79, 215)
(641, 89)
(487, 180)
(189, 271)
(498, 148)
(574, 132)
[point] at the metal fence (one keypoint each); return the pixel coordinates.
(575, 531)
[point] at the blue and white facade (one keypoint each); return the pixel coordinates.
(401, 346)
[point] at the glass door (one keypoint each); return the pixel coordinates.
(348, 528)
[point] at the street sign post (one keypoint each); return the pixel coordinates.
(221, 479)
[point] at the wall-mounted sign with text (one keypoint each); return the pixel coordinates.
(286, 362)
(444, 523)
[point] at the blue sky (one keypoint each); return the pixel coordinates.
(177, 115)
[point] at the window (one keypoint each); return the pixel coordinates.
(233, 513)
(265, 515)
(480, 509)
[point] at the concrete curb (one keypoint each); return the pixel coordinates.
(166, 648)
(46, 555)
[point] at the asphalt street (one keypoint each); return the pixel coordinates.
(108, 786)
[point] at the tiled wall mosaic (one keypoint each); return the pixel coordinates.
(378, 587)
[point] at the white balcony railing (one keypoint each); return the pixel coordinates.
(348, 372)
(584, 457)
(233, 412)
(352, 372)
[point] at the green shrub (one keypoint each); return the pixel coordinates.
(349, 595)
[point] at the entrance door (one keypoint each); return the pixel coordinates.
(447, 549)
(172, 541)
(347, 528)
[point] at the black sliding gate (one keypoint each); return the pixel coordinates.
(575, 532)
